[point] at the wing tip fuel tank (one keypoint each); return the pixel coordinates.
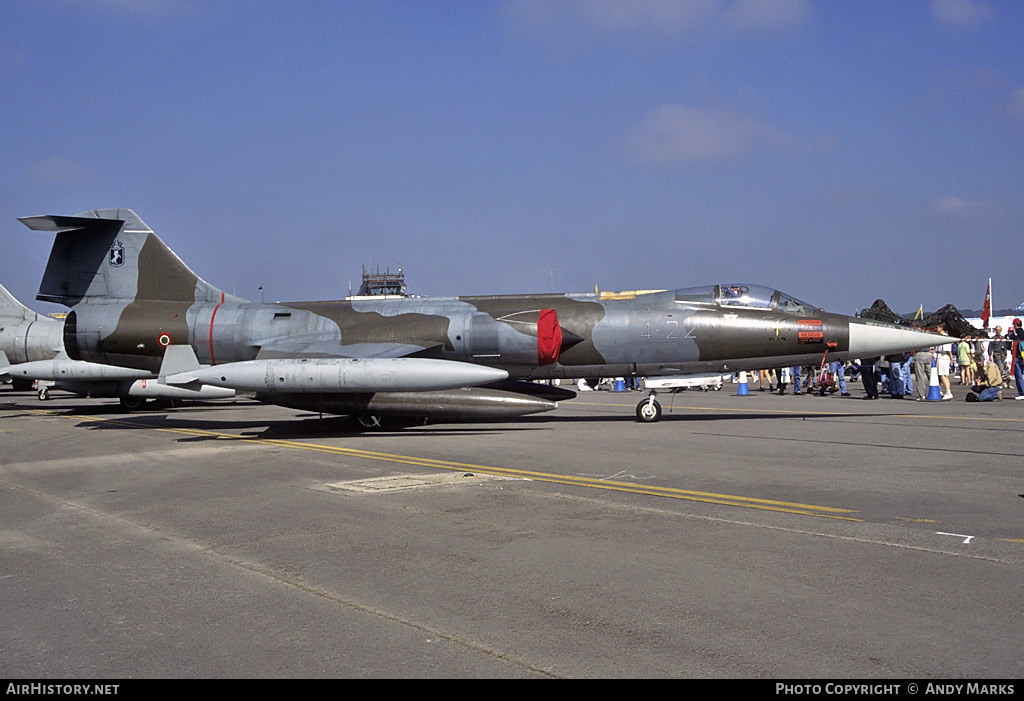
(308, 375)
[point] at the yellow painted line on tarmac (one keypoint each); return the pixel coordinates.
(590, 482)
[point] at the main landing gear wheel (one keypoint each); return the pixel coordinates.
(648, 410)
(369, 421)
(132, 403)
(44, 394)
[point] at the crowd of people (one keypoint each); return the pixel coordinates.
(987, 363)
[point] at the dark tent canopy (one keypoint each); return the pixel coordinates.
(951, 319)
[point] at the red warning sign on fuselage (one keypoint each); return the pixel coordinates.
(810, 331)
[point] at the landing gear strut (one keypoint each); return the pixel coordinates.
(648, 410)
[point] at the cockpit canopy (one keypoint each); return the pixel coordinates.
(745, 296)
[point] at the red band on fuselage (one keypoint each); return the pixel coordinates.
(212, 317)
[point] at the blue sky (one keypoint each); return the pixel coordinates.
(841, 151)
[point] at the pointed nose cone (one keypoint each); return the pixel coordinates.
(569, 339)
(872, 338)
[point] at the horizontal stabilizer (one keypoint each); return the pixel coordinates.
(58, 222)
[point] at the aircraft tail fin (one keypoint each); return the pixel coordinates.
(11, 308)
(111, 254)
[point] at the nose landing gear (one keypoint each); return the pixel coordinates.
(648, 410)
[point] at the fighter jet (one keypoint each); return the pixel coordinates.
(440, 358)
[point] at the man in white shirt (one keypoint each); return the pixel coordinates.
(943, 361)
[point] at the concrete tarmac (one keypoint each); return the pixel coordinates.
(757, 537)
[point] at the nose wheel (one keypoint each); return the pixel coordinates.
(648, 410)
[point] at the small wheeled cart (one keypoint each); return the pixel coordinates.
(825, 382)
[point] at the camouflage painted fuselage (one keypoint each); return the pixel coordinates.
(651, 333)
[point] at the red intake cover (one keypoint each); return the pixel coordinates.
(549, 337)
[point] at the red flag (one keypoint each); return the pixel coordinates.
(987, 311)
